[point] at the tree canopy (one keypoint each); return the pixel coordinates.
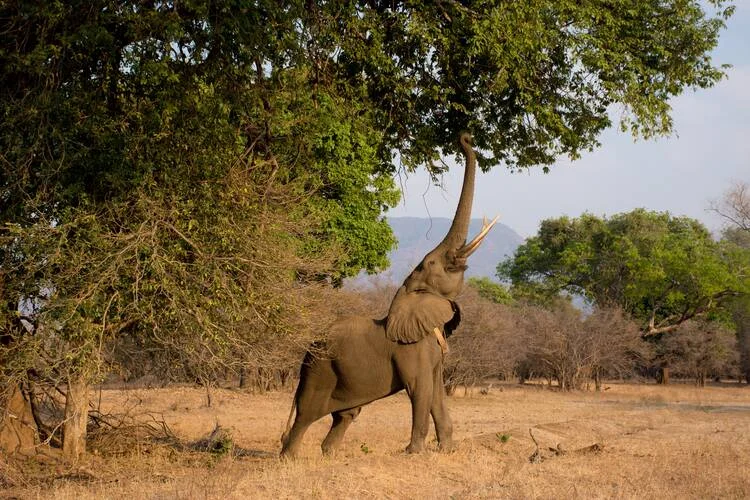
(532, 80)
(489, 290)
(661, 269)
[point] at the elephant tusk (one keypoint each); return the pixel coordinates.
(471, 247)
(441, 340)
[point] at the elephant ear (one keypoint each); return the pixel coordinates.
(451, 325)
(414, 315)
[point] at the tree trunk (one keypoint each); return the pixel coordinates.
(76, 418)
(663, 375)
(741, 316)
(285, 376)
(743, 334)
(243, 378)
(18, 430)
(597, 380)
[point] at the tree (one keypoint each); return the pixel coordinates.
(700, 350)
(735, 209)
(532, 80)
(165, 195)
(741, 317)
(614, 343)
(486, 344)
(660, 269)
(565, 346)
(175, 174)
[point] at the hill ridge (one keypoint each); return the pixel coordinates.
(418, 235)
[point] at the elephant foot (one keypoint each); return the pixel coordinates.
(447, 446)
(414, 448)
(288, 454)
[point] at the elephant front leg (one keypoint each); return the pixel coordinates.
(341, 422)
(439, 411)
(421, 400)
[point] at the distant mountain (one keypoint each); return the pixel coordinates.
(417, 236)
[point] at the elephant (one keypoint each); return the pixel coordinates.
(369, 359)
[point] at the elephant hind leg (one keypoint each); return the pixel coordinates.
(292, 440)
(341, 421)
(312, 400)
(310, 408)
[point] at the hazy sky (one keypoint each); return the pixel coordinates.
(681, 174)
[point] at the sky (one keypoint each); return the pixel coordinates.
(683, 173)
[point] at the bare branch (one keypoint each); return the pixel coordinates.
(735, 206)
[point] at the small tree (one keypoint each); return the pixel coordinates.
(486, 344)
(490, 290)
(734, 208)
(556, 347)
(701, 350)
(566, 346)
(615, 344)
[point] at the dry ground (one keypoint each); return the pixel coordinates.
(648, 442)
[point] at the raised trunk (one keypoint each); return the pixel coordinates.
(76, 418)
(459, 229)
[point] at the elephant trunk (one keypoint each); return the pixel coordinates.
(459, 229)
(442, 270)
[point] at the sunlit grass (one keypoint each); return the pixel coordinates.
(652, 442)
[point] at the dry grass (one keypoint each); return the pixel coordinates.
(651, 442)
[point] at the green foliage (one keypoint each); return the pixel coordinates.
(355, 195)
(490, 290)
(661, 269)
(503, 438)
(532, 80)
(166, 184)
(737, 236)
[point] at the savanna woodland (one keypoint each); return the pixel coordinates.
(185, 185)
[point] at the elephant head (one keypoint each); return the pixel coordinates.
(425, 300)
